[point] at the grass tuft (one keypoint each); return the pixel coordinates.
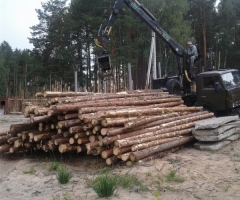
(30, 171)
(104, 185)
(173, 177)
(54, 166)
(63, 176)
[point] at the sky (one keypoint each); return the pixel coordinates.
(16, 18)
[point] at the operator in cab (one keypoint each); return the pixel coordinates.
(192, 53)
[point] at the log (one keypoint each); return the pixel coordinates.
(29, 145)
(43, 136)
(72, 140)
(111, 160)
(87, 127)
(83, 140)
(107, 122)
(44, 118)
(41, 111)
(104, 131)
(160, 154)
(92, 138)
(81, 148)
(4, 139)
(12, 139)
(138, 155)
(137, 112)
(16, 128)
(18, 143)
(91, 145)
(125, 156)
(155, 135)
(97, 150)
(107, 153)
(152, 143)
(75, 129)
(162, 121)
(96, 121)
(17, 149)
(73, 122)
(63, 148)
(80, 135)
(64, 94)
(59, 141)
(117, 150)
(5, 148)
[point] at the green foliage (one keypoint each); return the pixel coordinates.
(104, 185)
(54, 166)
(63, 176)
(173, 177)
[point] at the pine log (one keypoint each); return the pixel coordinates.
(75, 129)
(92, 138)
(59, 141)
(166, 119)
(91, 145)
(155, 135)
(32, 133)
(43, 136)
(63, 148)
(117, 150)
(44, 118)
(18, 143)
(107, 122)
(67, 134)
(160, 154)
(104, 131)
(3, 133)
(137, 112)
(138, 155)
(87, 127)
(73, 122)
(83, 140)
(89, 132)
(29, 145)
(125, 156)
(96, 121)
(77, 106)
(41, 111)
(17, 149)
(16, 128)
(97, 150)
(12, 139)
(107, 153)
(64, 94)
(111, 160)
(80, 135)
(72, 140)
(152, 143)
(5, 148)
(4, 139)
(112, 96)
(81, 148)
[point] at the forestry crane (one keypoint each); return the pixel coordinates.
(216, 90)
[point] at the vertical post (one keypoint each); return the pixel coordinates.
(159, 70)
(154, 56)
(75, 81)
(130, 77)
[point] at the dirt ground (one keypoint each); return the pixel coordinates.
(206, 175)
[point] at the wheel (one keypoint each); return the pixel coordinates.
(173, 86)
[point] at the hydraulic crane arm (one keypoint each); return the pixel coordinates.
(143, 14)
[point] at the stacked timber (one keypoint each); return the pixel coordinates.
(216, 133)
(128, 126)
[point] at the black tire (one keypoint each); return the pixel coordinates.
(173, 86)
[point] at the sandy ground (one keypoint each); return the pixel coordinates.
(207, 175)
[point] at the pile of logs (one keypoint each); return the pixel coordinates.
(133, 126)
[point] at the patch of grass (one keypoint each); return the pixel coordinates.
(63, 176)
(30, 171)
(104, 185)
(157, 195)
(173, 177)
(54, 166)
